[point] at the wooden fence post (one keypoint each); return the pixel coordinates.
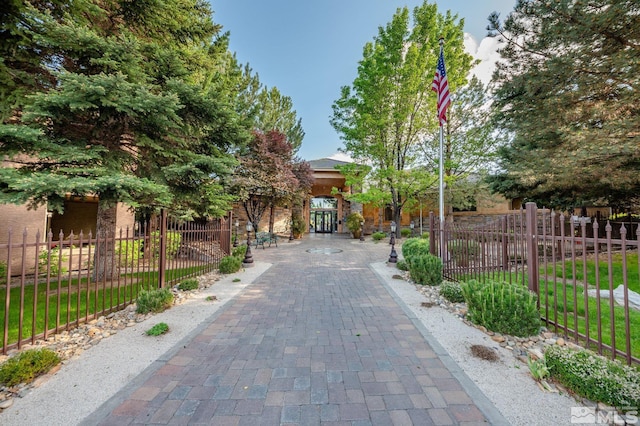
(532, 246)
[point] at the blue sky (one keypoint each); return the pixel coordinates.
(308, 49)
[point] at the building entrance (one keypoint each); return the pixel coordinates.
(324, 215)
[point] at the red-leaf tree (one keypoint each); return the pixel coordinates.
(269, 175)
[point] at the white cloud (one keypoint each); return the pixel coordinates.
(341, 157)
(486, 52)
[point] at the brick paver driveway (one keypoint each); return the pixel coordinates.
(316, 339)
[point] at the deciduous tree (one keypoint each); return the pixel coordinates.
(390, 109)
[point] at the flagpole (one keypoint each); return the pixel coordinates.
(441, 180)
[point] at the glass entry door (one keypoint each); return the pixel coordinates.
(324, 221)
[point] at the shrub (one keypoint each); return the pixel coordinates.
(154, 300)
(27, 365)
(3, 272)
(239, 251)
(405, 232)
(353, 223)
(414, 247)
(230, 264)
(594, 377)
(426, 269)
(377, 236)
(298, 225)
(55, 259)
(173, 243)
(425, 235)
(158, 329)
(128, 252)
(402, 265)
(188, 284)
(502, 307)
(451, 291)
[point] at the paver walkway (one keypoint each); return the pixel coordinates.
(316, 339)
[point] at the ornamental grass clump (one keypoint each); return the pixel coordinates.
(154, 300)
(26, 366)
(188, 284)
(502, 307)
(425, 269)
(594, 377)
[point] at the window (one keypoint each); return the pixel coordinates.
(388, 213)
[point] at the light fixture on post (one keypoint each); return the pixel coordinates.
(248, 257)
(362, 231)
(235, 241)
(393, 257)
(412, 225)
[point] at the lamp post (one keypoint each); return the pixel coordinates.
(411, 225)
(248, 257)
(235, 241)
(362, 231)
(393, 257)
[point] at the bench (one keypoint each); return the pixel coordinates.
(266, 237)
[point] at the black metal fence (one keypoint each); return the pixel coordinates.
(583, 271)
(50, 283)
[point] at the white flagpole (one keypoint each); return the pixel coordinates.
(441, 184)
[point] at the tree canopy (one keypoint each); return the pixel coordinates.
(390, 108)
(567, 92)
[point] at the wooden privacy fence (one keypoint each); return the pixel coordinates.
(50, 283)
(585, 273)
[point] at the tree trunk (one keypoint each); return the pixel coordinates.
(271, 218)
(104, 257)
(381, 219)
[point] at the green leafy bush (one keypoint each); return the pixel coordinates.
(154, 300)
(3, 272)
(353, 223)
(230, 264)
(502, 307)
(405, 232)
(129, 252)
(298, 225)
(27, 365)
(452, 292)
(426, 269)
(594, 377)
(174, 239)
(377, 236)
(188, 284)
(414, 247)
(57, 262)
(425, 235)
(239, 251)
(158, 329)
(402, 265)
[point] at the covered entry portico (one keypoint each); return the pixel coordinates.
(326, 211)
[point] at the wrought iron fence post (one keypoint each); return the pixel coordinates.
(162, 267)
(532, 247)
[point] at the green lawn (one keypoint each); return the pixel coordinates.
(75, 301)
(572, 310)
(603, 268)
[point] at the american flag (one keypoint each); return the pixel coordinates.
(440, 85)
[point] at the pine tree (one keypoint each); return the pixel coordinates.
(118, 107)
(567, 92)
